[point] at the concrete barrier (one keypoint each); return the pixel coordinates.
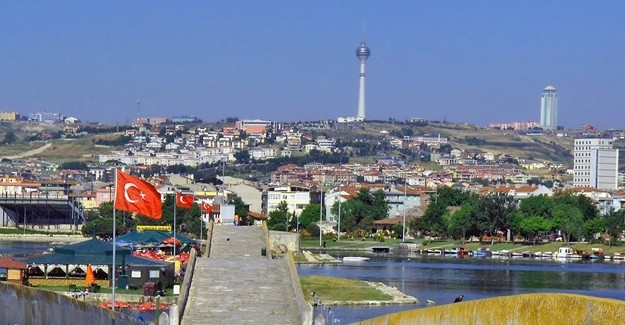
(24, 305)
(543, 308)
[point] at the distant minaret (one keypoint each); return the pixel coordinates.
(362, 52)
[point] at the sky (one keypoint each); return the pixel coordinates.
(477, 62)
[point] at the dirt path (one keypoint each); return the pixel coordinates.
(30, 152)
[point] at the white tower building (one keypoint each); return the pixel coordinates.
(549, 108)
(595, 164)
(362, 52)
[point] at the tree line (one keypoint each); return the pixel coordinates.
(454, 213)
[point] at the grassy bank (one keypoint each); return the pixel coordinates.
(347, 243)
(340, 290)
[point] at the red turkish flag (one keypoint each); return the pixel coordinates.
(184, 200)
(135, 195)
(207, 207)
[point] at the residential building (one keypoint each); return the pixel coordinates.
(595, 164)
(296, 197)
(9, 116)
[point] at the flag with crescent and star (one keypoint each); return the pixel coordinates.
(135, 195)
(184, 200)
(207, 207)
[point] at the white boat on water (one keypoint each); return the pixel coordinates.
(567, 253)
(354, 259)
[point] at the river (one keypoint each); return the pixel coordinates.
(441, 279)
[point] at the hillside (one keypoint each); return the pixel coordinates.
(471, 138)
(461, 136)
(57, 150)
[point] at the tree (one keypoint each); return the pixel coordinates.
(534, 225)
(240, 209)
(493, 212)
(74, 165)
(593, 227)
(537, 205)
(615, 224)
(310, 215)
(278, 218)
(242, 156)
(449, 196)
(9, 137)
(461, 221)
(360, 212)
(432, 221)
(583, 203)
(568, 219)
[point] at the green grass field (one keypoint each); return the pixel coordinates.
(340, 289)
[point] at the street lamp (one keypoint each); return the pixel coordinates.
(403, 234)
(320, 214)
(338, 233)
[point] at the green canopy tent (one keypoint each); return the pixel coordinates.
(100, 254)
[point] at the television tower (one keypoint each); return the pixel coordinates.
(362, 52)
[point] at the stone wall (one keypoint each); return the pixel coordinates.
(545, 308)
(305, 309)
(288, 239)
(24, 305)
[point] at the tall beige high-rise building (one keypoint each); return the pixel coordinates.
(549, 109)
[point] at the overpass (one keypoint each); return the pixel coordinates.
(237, 283)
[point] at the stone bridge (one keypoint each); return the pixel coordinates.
(238, 282)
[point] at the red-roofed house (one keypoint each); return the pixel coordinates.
(12, 270)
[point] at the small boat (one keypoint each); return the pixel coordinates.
(482, 252)
(354, 259)
(619, 256)
(597, 254)
(568, 253)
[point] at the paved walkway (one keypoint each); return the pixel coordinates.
(236, 285)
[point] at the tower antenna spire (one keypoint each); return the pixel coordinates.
(364, 30)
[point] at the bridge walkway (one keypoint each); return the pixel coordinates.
(237, 285)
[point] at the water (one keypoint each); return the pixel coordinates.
(441, 279)
(21, 249)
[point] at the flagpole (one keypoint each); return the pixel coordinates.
(175, 204)
(114, 268)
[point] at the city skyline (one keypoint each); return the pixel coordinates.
(481, 62)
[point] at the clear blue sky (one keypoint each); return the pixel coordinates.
(463, 61)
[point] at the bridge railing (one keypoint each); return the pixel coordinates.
(32, 196)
